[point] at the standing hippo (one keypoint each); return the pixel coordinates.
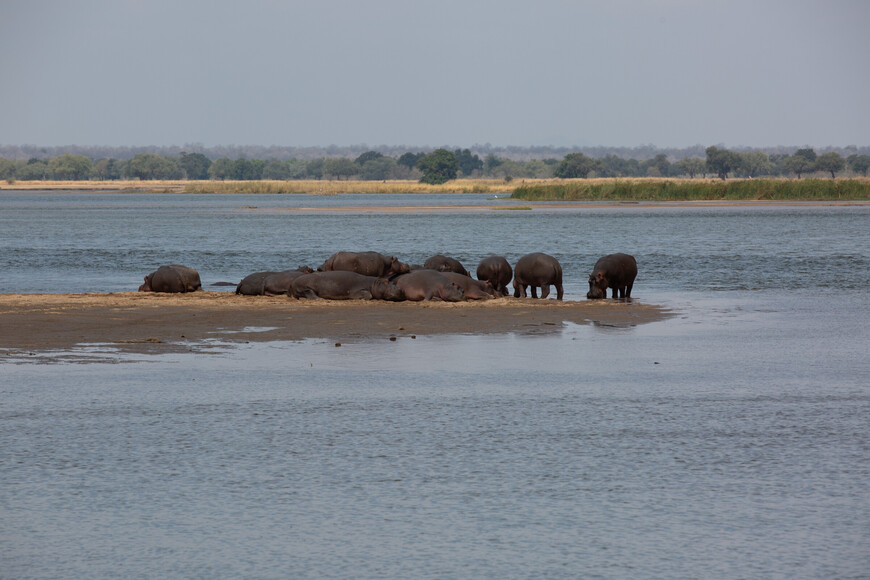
(537, 269)
(429, 285)
(344, 285)
(282, 282)
(473, 289)
(366, 263)
(172, 278)
(616, 271)
(445, 264)
(497, 271)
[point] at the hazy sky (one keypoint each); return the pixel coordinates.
(672, 73)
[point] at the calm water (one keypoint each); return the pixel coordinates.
(730, 441)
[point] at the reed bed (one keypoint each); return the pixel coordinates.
(697, 190)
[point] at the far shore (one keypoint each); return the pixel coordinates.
(154, 323)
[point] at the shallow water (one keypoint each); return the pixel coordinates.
(728, 441)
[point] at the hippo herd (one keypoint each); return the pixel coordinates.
(374, 276)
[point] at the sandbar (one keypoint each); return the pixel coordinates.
(154, 323)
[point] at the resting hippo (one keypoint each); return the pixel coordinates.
(445, 264)
(172, 278)
(497, 271)
(473, 289)
(252, 284)
(429, 285)
(269, 283)
(282, 282)
(344, 285)
(533, 270)
(616, 271)
(367, 263)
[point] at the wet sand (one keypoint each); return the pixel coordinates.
(150, 322)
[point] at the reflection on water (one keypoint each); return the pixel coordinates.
(730, 441)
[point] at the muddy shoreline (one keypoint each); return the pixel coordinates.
(147, 322)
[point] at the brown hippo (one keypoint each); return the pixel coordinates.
(366, 263)
(429, 285)
(616, 271)
(172, 278)
(269, 283)
(281, 283)
(473, 289)
(344, 285)
(252, 284)
(537, 270)
(497, 271)
(445, 264)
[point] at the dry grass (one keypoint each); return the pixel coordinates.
(311, 187)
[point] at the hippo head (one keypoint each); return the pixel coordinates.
(384, 289)
(146, 287)
(397, 267)
(597, 286)
(452, 293)
(304, 269)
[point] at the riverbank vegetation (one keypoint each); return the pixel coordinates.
(439, 166)
(697, 190)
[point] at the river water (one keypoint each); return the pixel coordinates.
(729, 441)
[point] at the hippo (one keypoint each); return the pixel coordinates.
(445, 264)
(473, 289)
(366, 263)
(252, 284)
(269, 283)
(497, 271)
(537, 269)
(281, 283)
(172, 278)
(616, 271)
(345, 285)
(429, 285)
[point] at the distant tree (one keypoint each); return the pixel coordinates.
(367, 156)
(438, 167)
(859, 163)
(107, 169)
(147, 166)
(70, 167)
(378, 169)
(314, 168)
(339, 167)
(691, 166)
(247, 170)
(830, 162)
(576, 165)
(721, 161)
(661, 165)
(491, 162)
(194, 165)
(275, 169)
(409, 159)
(221, 169)
(467, 162)
(798, 164)
(33, 170)
(755, 163)
(809, 154)
(615, 166)
(7, 168)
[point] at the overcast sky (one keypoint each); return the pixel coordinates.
(671, 73)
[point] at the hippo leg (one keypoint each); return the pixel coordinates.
(534, 290)
(545, 290)
(559, 292)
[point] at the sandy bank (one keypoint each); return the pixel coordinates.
(145, 322)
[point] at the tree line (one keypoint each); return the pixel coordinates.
(437, 166)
